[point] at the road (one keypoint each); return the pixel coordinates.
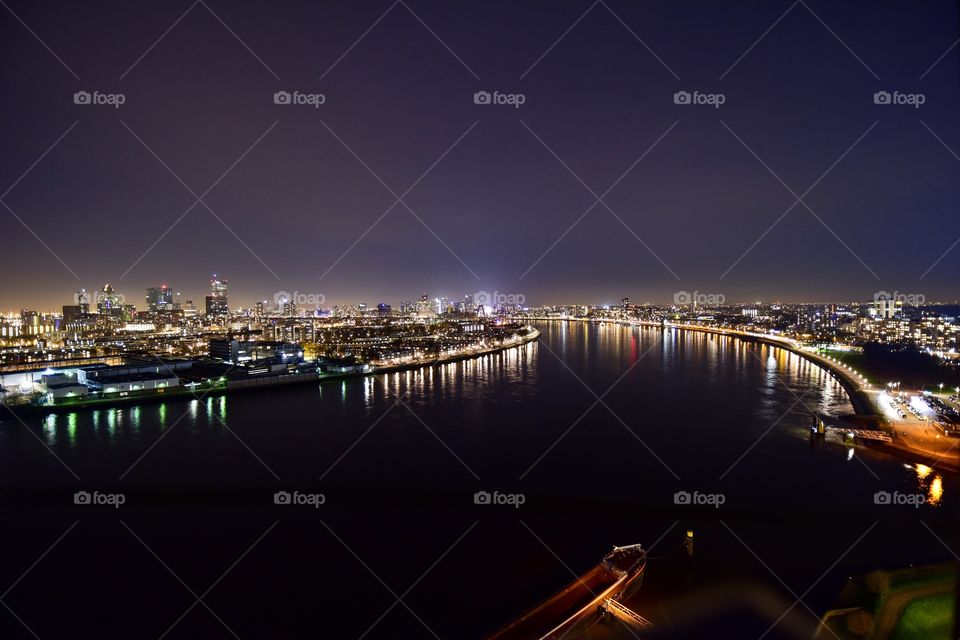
(920, 436)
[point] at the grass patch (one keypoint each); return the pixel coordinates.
(858, 362)
(930, 618)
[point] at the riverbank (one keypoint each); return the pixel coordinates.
(267, 382)
(866, 412)
(863, 406)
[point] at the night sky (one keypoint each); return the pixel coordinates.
(292, 194)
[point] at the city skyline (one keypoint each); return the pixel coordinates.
(680, 297)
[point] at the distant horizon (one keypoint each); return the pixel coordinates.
(237, 301)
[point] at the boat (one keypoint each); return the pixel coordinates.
(615, 578)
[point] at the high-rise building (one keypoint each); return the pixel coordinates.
(218, 287)
(887, 307)
(425, 309)
(82, 300)
(217, 300)
(160, 299)
(109, 303)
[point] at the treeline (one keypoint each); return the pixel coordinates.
(909, 365)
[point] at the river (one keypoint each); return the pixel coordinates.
(585, 437)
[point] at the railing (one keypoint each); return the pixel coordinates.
(628, 615)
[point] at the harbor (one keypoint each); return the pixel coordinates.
(144, 379)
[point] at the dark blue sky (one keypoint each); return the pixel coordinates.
(799, 107)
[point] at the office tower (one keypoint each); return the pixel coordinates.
(109, 303)
(217, 300)
(82, 300)
(159, 299)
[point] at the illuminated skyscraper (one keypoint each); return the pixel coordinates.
(217, 300)
(218, 288)
(109, 303)
(160, 298)
(82, 300)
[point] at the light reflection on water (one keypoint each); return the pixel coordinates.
(929, 482)
(72, 427)
(767, 377)
(440, 382)
(448, 380)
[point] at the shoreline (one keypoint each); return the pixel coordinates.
(267, 383)
(862, 405)
(865, 411)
